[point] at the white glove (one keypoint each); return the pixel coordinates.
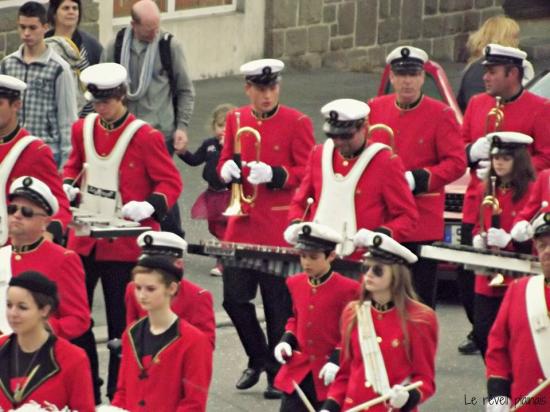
(328, 373)
(498, 237)
(478, 242)
(137, 211)
(482, 170)
(260, 172)
(398, 396)
(480, 149)
(362, 237)
(70, 191)
(291, 233)
(522, 231)
(410, 180)
(498, 404)
(229, 171)
(281, 351)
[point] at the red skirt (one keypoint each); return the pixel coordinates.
(210, 205)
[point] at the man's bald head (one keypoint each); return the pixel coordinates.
(145, 20)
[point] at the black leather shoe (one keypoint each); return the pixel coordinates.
(272, 393)
(468, 346)
(249, 378)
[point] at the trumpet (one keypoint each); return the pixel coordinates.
(381, 126)
(490, 202)
(495, 113)
(237, 192)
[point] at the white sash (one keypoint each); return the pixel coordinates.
(6, 167)
(5, 276)
(539, 322)
(100, 184)
(336, 207)
(373, 361)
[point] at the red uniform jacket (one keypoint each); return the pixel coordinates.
(37, 160)
(382, 196)
(427, 138)
(192, 303)
(527, 114)
(511, 352)
(315, 326)
(287, 139)
(146, 173)
(176, 380)
(538, 194)
(64, 267)
(349, 387)
(509, 213)
(63, 379)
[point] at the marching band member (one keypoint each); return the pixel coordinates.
(127, 160)
(432, 152)
(24, 155)
(388, 338)
(513, 175)
(286, 140)
(30, 210)
(192, 303)
(367, 179)
(309, 348)
(518, 353)
(35, 364)
(166, 362)
(522, 111)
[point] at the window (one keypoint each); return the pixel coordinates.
(121, 8)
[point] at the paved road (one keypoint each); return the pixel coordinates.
(458, 377)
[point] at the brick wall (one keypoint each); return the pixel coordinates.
(9, 38)
(358, 34)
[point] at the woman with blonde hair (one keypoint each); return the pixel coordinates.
(389, 338)
(500, 30)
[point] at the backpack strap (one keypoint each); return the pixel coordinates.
(166, 61)
(118, 44)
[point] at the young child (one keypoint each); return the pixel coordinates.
(514, 172)
(213, 201)
(309, 347)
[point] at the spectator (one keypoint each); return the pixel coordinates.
(49, 103)
(64, 17)
(497, 29)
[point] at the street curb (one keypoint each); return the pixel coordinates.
(222, 321)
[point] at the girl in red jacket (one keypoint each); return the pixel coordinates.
(389, 339)
(35, 365)
(166, 362)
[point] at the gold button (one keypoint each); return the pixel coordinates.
(276, 147)
(358, 192)
(104, 154)
(311, 307)
(378, 339)
(18, 257)
(259, 122)
(345, 163)
(314, 291)
(395, 343)
(131, 164)
(308, 325)
(380, 316)
(367, 384)
(540, 380)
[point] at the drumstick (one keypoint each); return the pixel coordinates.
(80, 174)
(531, 395)
(383, 398)
(543, 205)
(303, 397)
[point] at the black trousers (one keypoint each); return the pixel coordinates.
(466, 278)
(114, 276)
(485, 312)
(424, 275)
(87, 342)
(239, 289)
(293, 403)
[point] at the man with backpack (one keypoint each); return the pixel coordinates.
(159, 79)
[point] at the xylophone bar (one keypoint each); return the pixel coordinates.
(483, 260)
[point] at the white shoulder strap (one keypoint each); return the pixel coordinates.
(5, 276)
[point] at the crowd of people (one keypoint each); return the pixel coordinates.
(89, 191)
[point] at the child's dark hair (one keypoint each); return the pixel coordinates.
(523, 173)
(33, 9)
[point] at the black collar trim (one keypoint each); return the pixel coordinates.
(265, 115)
(320, 280)
(514, 97)
(116, 124)
(28, 248)
(409, 106)
(382, 307)
(11, 135)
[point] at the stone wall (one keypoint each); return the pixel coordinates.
(9, 37)
(358, 34)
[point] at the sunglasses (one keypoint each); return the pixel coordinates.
(377, 270)
(26, 211)
(343, 136)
